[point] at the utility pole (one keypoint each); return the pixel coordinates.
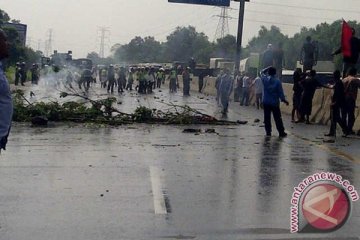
(103, 35)
(240, 32)
(223, 26)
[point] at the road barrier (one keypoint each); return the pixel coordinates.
(321, 101)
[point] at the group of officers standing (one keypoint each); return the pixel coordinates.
(21, 73)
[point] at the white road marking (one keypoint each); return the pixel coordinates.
(159, 201)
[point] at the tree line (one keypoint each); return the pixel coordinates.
(186, 42)
(18, 53)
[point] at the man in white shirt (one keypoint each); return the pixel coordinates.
(258, 92)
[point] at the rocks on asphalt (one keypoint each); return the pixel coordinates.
(241, 122)
(210, 130)
(192, 130)
(256, 120)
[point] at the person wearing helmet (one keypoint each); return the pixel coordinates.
(111, 79)
(23, 73)
(34, 74)
(173, 80)
(130, 81)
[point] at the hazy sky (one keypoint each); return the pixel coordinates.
(76, 23)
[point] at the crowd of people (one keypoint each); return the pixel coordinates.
(266, 86)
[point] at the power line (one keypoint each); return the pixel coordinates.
(223, 25)
(287, 15)
(48, 43)
(302, 7)
(103, 35)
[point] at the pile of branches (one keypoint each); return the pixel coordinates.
(103, 112)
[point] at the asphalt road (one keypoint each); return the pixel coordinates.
(139, 181)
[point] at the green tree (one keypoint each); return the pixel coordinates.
(225, 47)
(186, 42)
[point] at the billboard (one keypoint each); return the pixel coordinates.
(224, 3)
(20, 28)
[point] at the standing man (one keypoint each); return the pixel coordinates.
(225, 89)
(186, 81)
(268, 57)
(297, 94)
(258, 92)
(337, 103)
(351, 85)
(309, 85)
(111, 79)
(121, 80)
(245, 90)
(273, 91)
(351, 59)
(279, 60)
(23, 73)
(202, 75)
(6, 105)
(17, 74)
(308, 55)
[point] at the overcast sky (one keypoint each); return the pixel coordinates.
(75, 23)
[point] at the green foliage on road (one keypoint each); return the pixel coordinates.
(103, 112)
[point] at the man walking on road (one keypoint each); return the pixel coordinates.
(6, 105)
(225, 89)
(273, 91)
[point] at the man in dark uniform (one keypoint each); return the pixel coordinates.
(186, 81)
(34, 74)
(121, 80)
(268, 57)
(111, 79)
(23, 73)
(308, 55)
(17, 74)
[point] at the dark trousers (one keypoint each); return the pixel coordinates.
(275, 110)
(201, 84)
(245, 97)
(258, 100)
(335, 119)
(158, 83)
(111, 86)
(347, 67)
(186, 87)
(120, 86)
(348, 113)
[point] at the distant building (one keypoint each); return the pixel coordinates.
(21, 29)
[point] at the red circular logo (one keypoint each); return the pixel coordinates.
(326, 207)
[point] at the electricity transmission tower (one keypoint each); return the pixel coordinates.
(48, 43)
(103, 36)
(223, 26)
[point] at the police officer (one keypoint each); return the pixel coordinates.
(186, 81)
(23, 73)
(34, 74)
(173, 80)
(111, 79)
